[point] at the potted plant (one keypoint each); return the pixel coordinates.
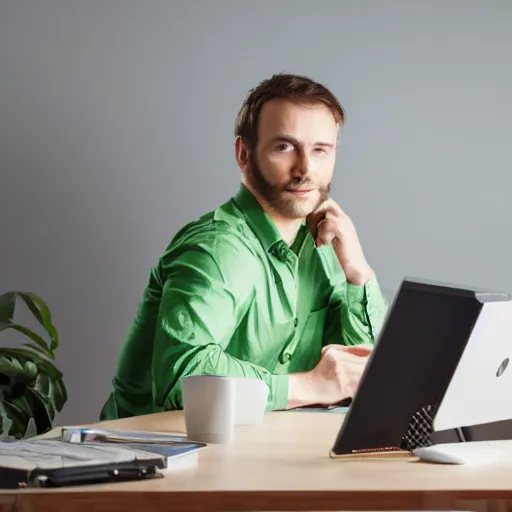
(32, 389)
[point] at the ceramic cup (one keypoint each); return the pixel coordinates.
(213, 405)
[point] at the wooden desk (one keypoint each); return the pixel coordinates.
(281, 465)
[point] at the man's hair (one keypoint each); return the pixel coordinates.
(295, 88)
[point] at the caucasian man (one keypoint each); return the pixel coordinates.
(273, 284)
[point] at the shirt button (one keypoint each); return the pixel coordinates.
(296, 322)
(285, 357)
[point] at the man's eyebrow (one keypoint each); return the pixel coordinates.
(296, 142)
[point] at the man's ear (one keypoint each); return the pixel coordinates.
(241, 152)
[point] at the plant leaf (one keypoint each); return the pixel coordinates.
(20, 358)
(45, 387)
(34, 337)
(30, 355)
(32, 389)
(40, 351)
(42, 312)
(7, 306)
(28, 417)
(5, 423)
(43, 392)
(60, 394)
(39, 410)
(19, 418)
(52, 390)
(12, 368)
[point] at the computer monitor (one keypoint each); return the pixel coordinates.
(412, 364)
(480, 391)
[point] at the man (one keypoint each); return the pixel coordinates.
(273, 284)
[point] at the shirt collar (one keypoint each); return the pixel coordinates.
(262, 225)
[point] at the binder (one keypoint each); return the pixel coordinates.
(54, 463)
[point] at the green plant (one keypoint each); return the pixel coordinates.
(32, 389)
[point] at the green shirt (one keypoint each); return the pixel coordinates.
(230, 297)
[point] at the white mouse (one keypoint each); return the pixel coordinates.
(477, 452)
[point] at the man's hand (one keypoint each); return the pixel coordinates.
(334, 379)
(338, 372)
(330, 224)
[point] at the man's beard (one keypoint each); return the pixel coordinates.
(281, 202)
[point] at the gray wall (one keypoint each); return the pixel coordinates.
(116, 128)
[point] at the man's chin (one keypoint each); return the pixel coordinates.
(297, 209)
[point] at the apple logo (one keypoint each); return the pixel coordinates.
(502, 367)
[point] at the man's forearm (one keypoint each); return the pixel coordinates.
(359, 276)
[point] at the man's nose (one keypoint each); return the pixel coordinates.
(302, 165)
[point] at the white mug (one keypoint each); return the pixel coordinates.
(209, 407)
(213, 405)
(250, 401)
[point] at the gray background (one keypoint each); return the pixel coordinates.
(116, 122)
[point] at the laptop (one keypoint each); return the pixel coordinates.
(433, 348)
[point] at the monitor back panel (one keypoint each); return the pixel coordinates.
(417, 352)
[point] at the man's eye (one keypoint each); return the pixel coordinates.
(283, 147)
(320, 150)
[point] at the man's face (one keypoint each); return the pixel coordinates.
(292, 166)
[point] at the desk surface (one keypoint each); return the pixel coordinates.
(283, 464)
